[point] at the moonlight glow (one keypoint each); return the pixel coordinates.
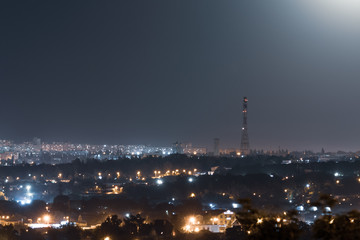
(344, 13)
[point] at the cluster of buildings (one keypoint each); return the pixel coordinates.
(35, 151)
(216, 221)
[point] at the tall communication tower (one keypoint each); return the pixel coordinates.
(244, 148)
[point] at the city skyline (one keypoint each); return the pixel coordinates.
(215, 147)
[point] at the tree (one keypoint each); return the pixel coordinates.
(163, 228)
(272, 228)
(67, 232)
(30, 234)
(257, 226)
(136, 225)
(326, 202)
(8, 233)
(345, 226)
(247, 216)
(61, 203)
(110, 227)
(235, 233)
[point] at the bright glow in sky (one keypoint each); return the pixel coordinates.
(297, 61)
(340, 13)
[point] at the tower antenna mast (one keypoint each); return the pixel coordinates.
(244, 148)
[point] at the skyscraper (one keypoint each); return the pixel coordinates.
(216, 147)
(244, 148)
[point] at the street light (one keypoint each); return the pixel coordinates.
(46, 218)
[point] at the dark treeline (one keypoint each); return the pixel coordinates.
(128, 167)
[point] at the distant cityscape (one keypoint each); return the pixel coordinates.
(186, 189)
(36, 152)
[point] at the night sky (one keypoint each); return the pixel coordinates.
(156, 72)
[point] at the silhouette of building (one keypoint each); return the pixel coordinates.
(216, 147)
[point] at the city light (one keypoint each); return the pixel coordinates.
(187, 228)
(235, 205)
(46, 219)
(300, 208)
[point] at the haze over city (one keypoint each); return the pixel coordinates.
(160, 72)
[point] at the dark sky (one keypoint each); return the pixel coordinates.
(154, 72)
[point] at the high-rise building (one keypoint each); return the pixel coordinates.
(244, 148)
(36, 141)
(177, 148)
(216, 147)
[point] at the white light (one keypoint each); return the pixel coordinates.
(235, 205)
(192, 220)
(28, 187)
(314, 208)
(190, 179)
(46, 218)
(300, 208)
(159, 181)
(127, 215)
